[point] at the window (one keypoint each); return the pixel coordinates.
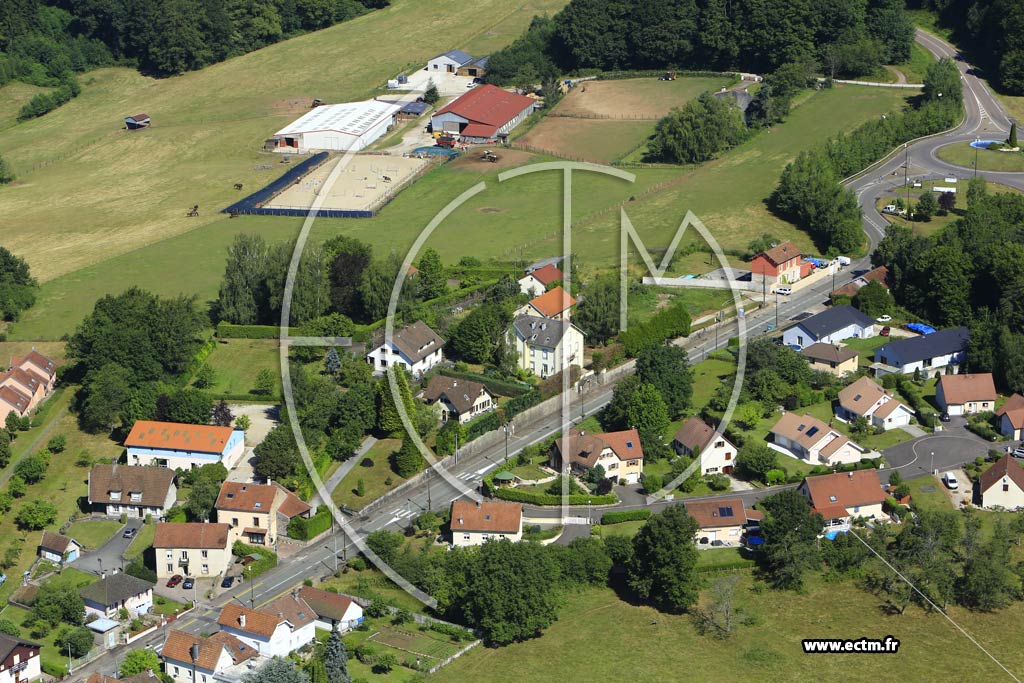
(206, 554)
(256, 522)
(170, 568)
(728, 456)
(170, 554)
(136, 496)
(115, 495)
(206, 569)
(465, 537)
(184, 554)
(719, 444)
(1006, 487)
(234, 521)
(177, 671)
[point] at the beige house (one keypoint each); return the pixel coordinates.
(619, 453)
(250, 510)
(845, 496)
(460, 399)
(1011, 417)
(721, 519)
(966, 394)
(132, 490)
(812, 440)
(833, 358)
(536, 282)
(546, 347)
(866, 398)
(475, 523)
(190, 658)
(716, 453)
(1002, 485)
(26, 382)
(192, 548)
(556, 304)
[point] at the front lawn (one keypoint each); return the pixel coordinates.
(166, 607)
(92, 534)
(141, 542)
(374, 469)
(372, 584)
(932, 499)
(236, 362)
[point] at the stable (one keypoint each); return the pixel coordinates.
(484, 114)
(350, 126)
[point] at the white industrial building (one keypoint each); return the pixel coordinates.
(350, 126)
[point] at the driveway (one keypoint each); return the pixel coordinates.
(262, 419)
(110, 555)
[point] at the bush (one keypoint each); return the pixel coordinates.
(537, 498)
(267, 560)
(57, 444)
(718, 482)
(227, 330)
(456, 633)
(303, 529)
(773, 477)
(619, 516)
(653, 482)
(140, 571)
(357, 563)
(669, 323)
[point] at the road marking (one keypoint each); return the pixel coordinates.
(486, 469)
(391, 521)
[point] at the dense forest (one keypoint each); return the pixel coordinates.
(847, 37)
(44, 42)
(992, 32)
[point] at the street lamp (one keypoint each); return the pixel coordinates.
(776, 309)
(252, 597)
(70, 666)
(933, 462)
(976, 148)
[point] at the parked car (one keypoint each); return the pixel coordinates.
(949, 479)
(130, 532)
(1018, 452)
(886, 331)
(944, 417)
(883, 318)
(174, 581)
(784, 291)
(717, 543)
(228, 581)
(189, 583)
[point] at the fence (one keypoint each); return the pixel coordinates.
(609, 117)
(253, 203)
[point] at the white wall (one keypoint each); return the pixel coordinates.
(996, 497)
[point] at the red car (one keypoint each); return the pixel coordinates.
(885, 331)
(174, 581)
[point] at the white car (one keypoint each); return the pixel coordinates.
(784, 291)
(949, 479)
(883, 319)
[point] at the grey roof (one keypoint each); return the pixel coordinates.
(461, 393)
(479, 61)
(417, 341)
(912, 349)
(551, 260)
(539, 331)
(457, 55)
(8, 643)
(833, 320)
(114, 589)
(829, 353)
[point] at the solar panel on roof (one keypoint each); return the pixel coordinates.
(812, 431)
(629, 444)
(725, 511)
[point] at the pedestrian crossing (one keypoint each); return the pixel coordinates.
(466, 476)
(404, 513)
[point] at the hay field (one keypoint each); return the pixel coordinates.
(596, 140)
(635, 97)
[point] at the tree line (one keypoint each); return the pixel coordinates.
(850, 38)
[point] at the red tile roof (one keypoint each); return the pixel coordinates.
(325, 603)
(553, 302)
(293, 506)
(242, 497)
(848, 489)
(585, 449)
(718, 512)
(960, 389)
(486, 516)
(779, 254)
(487, 104)
(1014, 411)
(14, 398)
(178, 437)
(548, 274)
(46, 366)
(191, 535)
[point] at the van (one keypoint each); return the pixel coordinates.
(843, 260)
(889, 208)
(784, 291)
(949, 479)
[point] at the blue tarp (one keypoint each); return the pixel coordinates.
(818, 263)
(264, 194)
(921, 328)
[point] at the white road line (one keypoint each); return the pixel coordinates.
(391, 521)
(484, 470)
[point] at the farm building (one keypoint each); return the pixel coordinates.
(459, 63)
(136, 122)
(350, 126)
(484, 114)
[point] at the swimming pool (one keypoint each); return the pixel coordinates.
(982, 144)
(835, 532)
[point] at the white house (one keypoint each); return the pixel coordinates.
(484, 114)
(812, 440)
(350, 126)
(1011, 417)
(190, 658)
(132, 490)
(448, 62)
(475, 523)
(619, 453)
(183, 446)
(966, 394)
(715, 451)
(546, 347)
(844, 496)
(460, 399)
(19, 660)
(108, 596)
(928, 353)
(866, 398)
(536, 282)
(283, 626)
(721, 519)
(333, 611)
(830, 326)
(416, 347)
(1002, 485)
(58, 549)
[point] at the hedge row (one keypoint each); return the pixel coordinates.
(302, 529)
(725, 566)
(539, 498)
(657, 73)
(494, 385)
(268, 560)
(479, 426)
(452, 631)
(669, 323)
(227, 330)
(625, 516)
(521, 403)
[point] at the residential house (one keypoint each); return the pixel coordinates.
(832, 358)
(38, 365)
(929, 353)
(850, 289)
(132, 490)
(536, 282)
(619, 453)
(292, 506)
(58, 549)
(183, 446)
(111, 594)
(192, 548)
(484, 114)
(141, 677)
(188, 657)
(546, 347)
(460, 399)
(333, 611)
(19, 660)
(721, 519)
(555, 304)
(696, 437)
(812, 440)
(845, 496)
(416, 347)
(475, 523)
(1002, 485)
(281, 627)
(830, 326)
(1011, 417)
(866, 398)
(26, 382)
(783, 264)
(251, 511)
(459, 63)
(966, 394)
(13, 401)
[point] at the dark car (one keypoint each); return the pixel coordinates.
(174, 581)
(228, 581)
(885, 331)
(717, 543)
(189, 583)
(944, 417)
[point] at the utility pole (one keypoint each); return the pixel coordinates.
(430, 505)
(906, 175)
(252, 597)
(976, 140)
(456, 446)
(776, 310)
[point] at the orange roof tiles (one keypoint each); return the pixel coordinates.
(191, 535)
(486, 516)
(243, 497)
(176, 436)
(553, 302)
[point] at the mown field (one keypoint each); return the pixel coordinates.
(962, 154)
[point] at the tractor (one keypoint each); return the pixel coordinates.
(446, 141)
(490, 156)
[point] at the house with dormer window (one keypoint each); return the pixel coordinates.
(845, 496)
(619, 453)
(251, 510)
(416, 347)
(283, 626)
(131, 490)
(810, 439)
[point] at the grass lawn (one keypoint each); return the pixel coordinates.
(652, 646)
(165, 606)
(600, 141)
(93, 533)
(142, 541)
(708, 375)
(49, 654)
(621, 529)
(865, 348)
(372, 584)
(529, 472)
(718, 556)
(962, 154)
(932, 499)
(13, 96)
(236, 362)
(374, 469)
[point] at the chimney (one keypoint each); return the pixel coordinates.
(478, 505)
(460, 520)
(241, 620)
(194, 651)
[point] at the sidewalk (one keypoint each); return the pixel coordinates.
(346, 467)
